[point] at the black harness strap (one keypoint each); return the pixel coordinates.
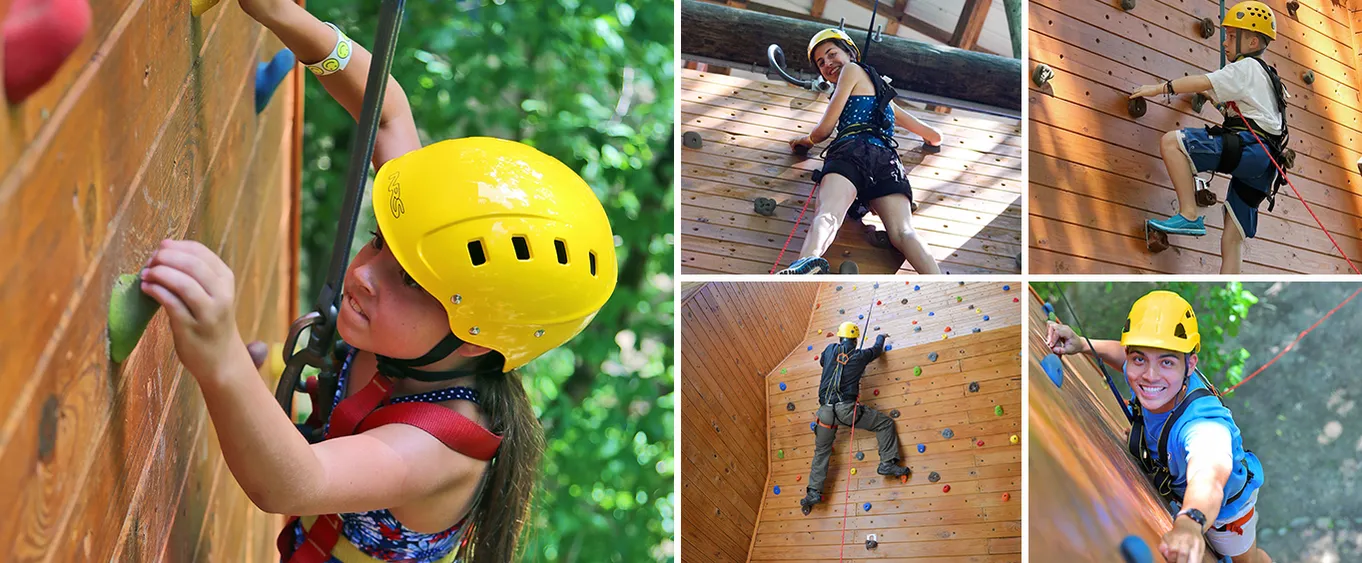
(1233, 146)
(1156, 467)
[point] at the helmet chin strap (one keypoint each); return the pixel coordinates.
(406, 369)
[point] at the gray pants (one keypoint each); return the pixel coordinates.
(840, 415)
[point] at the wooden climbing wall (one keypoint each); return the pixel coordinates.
(148, 132)
(734, 333)
(1096, 174)
(969, 195)
(917, 520)
(1088, 489)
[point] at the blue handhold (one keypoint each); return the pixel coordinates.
(985, 317)
(777, 489)
(839, 288)
(812, 426)
(269, 75)
(921, 448)
(888, 347)
(1053, 368)
(877, 285)
(931, 313)
(917, 288)
(1049, 309)
(782, 386)
(810, 348)
(917, 329)
(1007, 288)
(1134, 550)
(859, 317)
(932, 356)
(866, 507)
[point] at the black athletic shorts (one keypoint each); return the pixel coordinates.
(874, 170)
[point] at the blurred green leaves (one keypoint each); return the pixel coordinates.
(591, 83)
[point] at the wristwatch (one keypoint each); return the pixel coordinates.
(1196, 516)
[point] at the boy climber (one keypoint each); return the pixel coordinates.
(1249, 88)
(1183, 436)
(843, 365)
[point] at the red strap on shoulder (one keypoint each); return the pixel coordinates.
(453, 429)
(353, 409)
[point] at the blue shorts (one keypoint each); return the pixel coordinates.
(1255, 172)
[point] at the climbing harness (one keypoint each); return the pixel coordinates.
(321, 322)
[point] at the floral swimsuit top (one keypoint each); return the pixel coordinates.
(859, 112)
(377, 532)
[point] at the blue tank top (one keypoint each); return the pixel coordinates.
(860, 110)
(1208, 408)
(377, 533)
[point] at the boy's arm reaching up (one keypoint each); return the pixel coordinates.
(1184, 85)
(311, 41)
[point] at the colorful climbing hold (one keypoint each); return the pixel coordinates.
(916, 287)
(919, 308)
(1006, 497)
(1014, 439)
(777, 489)
(948, 433)
(878, 303)
(917, 329)
(782, 384)
(1054, 368)
(1049, 309)
(817, 305)
(914, 322)
(810, 348)
(931, 314)
(812, 426)
(866, 507)
(877, 285)
(998, 410)
(948, 329)
(946, 489)
(841, 311)
(860, 317)
(269, 75)
(1135, 550)
(917, 371)
(932, 356)
(975, 330)
(959, 299)
(980, 443)
(1015, 300)
(38, 39)
(985, 317)
(860, 456)
(780, 454)
(819, 331)
(829, 335)
(922, 448)
(853, 288)
(877, 392)
(1007, 288)
(839, 288)
(853, 471)
(888, 347)
(799, 478)
(944, 336)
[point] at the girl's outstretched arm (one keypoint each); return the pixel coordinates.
(915, 126)
(311, 41)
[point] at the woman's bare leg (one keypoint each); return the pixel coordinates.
(897, 213)
(835, 195)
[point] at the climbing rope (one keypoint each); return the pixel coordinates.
(794, 228)
(1293, 188)
(1293, 343)
(851, 444)
(1121, 400)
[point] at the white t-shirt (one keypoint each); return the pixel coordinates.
(1247, 84)
(1210, 443)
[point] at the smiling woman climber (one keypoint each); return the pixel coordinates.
(861, 164)
(1183, 435)
(488, 254)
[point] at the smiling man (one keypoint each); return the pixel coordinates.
(1183, 436)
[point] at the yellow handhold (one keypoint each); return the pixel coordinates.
(276, 361)
(820, 331)
(919, 308)
(853, 471)
(1014, 439)
(201, 6)
(943, 336)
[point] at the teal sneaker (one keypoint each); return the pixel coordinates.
(1179, 225)
(807, 265)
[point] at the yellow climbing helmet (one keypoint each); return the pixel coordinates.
(1253, 16)
(830, 34)
(848, 330)
(1162, 319)
(512, 242)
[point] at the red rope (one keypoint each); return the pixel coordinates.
(1292, 345)
(793, 229)
(1293, 188)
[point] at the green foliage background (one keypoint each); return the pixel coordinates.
(591, 83)
(1220, 309)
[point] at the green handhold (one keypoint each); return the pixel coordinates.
(917, 370)
(957, 299)
(780, 454)
(784, 370)
(998, 410)
(129, 312)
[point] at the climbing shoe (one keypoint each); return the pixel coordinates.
(807, 265)
(891, 469)
(1179, 225)
(810, 499)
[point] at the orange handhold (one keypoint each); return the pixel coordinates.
(39, 35)
(1006, 497)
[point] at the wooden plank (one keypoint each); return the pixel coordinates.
(972, 15)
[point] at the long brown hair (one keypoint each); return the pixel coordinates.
(503, 505)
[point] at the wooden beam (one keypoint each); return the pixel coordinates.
(817, 9)
(971, 23)
(911, 22)
(741, 37)
(900, 11)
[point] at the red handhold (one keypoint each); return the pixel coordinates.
(815, 357)
(817, 305)
(877, 392)
(948, 329)
(38, 37)
(1006, 497)
(903, 478)
(878, 303)
(1015, 300)
(980, 443)
(946, 489)
(914, 322)
(799, 477)
(829, 334)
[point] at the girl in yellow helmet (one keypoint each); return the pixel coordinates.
(861, 165)
(488, 254)
(1184, 437)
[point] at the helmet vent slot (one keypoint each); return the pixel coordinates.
(1179, 331)
(560, 246)
(592, 258)
(522, 248)
(475, 253)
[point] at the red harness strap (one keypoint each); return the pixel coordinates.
(362, 412)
